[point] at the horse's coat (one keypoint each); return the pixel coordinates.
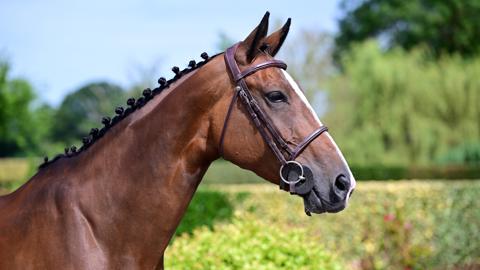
(116, 204)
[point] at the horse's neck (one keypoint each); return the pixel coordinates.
(141, 177)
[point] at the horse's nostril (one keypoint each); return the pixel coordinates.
(342, 183)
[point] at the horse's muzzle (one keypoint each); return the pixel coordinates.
(320, 198)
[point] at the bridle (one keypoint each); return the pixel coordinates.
(296, 178)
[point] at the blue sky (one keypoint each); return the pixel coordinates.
(61, 45)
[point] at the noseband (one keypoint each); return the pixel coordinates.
(296, 178)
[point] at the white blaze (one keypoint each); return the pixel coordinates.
(300, 94)
(302, 97)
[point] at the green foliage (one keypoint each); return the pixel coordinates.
(444, 26)
(22, 125)
(224, 172)
(248, 244)
(387, 225)
(310, 62)
(458, 228)
(15, 171)
(399, 108)
(215, 205)
(465, 153)
(379, 172)
(84, 109)
(391, 172)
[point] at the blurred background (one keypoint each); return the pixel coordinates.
(397, 82)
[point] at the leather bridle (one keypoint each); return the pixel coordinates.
(280, 148)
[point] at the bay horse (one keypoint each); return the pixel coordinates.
(115, 202)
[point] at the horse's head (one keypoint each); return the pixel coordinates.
(271, 129)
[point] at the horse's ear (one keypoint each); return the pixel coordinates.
(274, 42)
(252, 43)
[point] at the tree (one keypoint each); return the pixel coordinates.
(309, 59)
(21, 130)
(84, 109)
(401, 107)
(449, 26)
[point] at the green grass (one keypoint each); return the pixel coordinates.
(13, 169)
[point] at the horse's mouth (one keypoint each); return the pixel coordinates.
(314, 203)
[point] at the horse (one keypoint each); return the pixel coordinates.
(115, 202)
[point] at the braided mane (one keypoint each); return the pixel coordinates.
(133, 105)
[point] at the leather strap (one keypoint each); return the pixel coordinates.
(299, 149)
(256, 113)
(227, 116)
(262, 122)
(251, 70)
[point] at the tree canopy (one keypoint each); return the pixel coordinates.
(449, 26)
(21, 123)
(84, 109)
(399, 107)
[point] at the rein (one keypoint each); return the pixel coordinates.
(296, 178)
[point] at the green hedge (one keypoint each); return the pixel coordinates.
(403, 107)
(215, 205)
(223, 172)
(388, 225)
(249, 244)
(381, 172)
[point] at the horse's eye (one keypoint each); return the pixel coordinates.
(276, 97)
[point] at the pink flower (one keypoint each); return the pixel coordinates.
(388, 217)
(407, 226)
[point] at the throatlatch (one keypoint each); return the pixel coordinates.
(295, 177)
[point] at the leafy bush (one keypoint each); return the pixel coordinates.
(388, 225)
(217, 206)
(457, 227)
(385, 172)
(223, 172)
(24, 124)
(401, 107)
(248, 244)
(465, 153)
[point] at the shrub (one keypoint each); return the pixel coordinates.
(248, 244)
(217, 206)
(388, 225)
(465, 153)
(223, 172)
(401, 107)
(383, 172)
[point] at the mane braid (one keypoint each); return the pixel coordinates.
(121, 113)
